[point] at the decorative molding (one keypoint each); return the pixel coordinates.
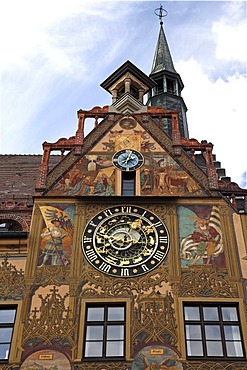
(154, 321)
(13, 284)
(104, 366)
(206, 281)
(52, 275)
(213, 365)
(51, 322)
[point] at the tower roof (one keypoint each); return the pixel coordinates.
(123, 69)
(162, 57)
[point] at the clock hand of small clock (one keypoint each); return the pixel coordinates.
(129, 157)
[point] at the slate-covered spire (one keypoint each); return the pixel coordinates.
(162, 57)
(169, 84)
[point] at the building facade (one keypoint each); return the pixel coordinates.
(129, 250)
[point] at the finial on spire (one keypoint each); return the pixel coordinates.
(161, 13)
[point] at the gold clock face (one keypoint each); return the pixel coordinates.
(125, 241)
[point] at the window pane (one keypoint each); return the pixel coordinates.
(194, 348)
(7, 316)
(212, 332)
(4, 351)
(229, 314)
(93, 349)
(115, 348)
(210, 314)
(5, 334)
(115, 314)
(115, 332)
(214, 348)
(191, 313)
(193, 332)
(128, 183)
(94, 333)
(95, 314)
(232, 332)
(234, 349)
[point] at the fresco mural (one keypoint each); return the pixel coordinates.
(161, 175)
(92, 175)
(57, 235)
(46, 360)
(200, 235)
(156, 358)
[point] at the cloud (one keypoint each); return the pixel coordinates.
(230, 40)
(216, 114)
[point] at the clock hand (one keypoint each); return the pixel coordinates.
(129, 157)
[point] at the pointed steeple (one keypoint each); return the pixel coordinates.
(169, 84)
(162, 57)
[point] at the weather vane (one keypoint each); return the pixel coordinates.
(161, 13)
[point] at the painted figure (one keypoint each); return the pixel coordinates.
(56, 238)
(54, 244)
(204, 244)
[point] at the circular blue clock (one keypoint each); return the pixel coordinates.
(128, 160)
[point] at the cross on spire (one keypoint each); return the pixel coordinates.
(161, 13)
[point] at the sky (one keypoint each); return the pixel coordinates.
(56, 53)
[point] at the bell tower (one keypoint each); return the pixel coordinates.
(169, 85)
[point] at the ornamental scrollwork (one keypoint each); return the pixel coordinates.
(12, 281)
(201, 281)
(154, 320)
(52, 321)
(52, 275)
(191, 365)
(101, 285)
(104, 366)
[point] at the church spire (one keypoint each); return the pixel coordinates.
(169, 84)
(162, 57)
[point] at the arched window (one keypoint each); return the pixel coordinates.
(10, 225)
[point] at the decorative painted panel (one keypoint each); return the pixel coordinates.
(162, 175)
(56, 235)
(200, 236)
(92, 175)
(156, 357)
(46, 359)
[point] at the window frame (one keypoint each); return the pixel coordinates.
(129, 174)
(79, 356)
(14, 354)
(220, 322)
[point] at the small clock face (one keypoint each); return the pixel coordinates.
(125, 241)
(128, 160)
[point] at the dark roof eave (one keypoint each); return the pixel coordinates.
(127, 67)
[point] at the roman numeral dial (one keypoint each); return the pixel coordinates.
(125, 241)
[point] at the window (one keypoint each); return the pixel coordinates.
(160, 85)
(105, 332)
(128, 183)
(213, 331)
(7, 321)
(170, 85)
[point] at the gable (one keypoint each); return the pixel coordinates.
(162, 174)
